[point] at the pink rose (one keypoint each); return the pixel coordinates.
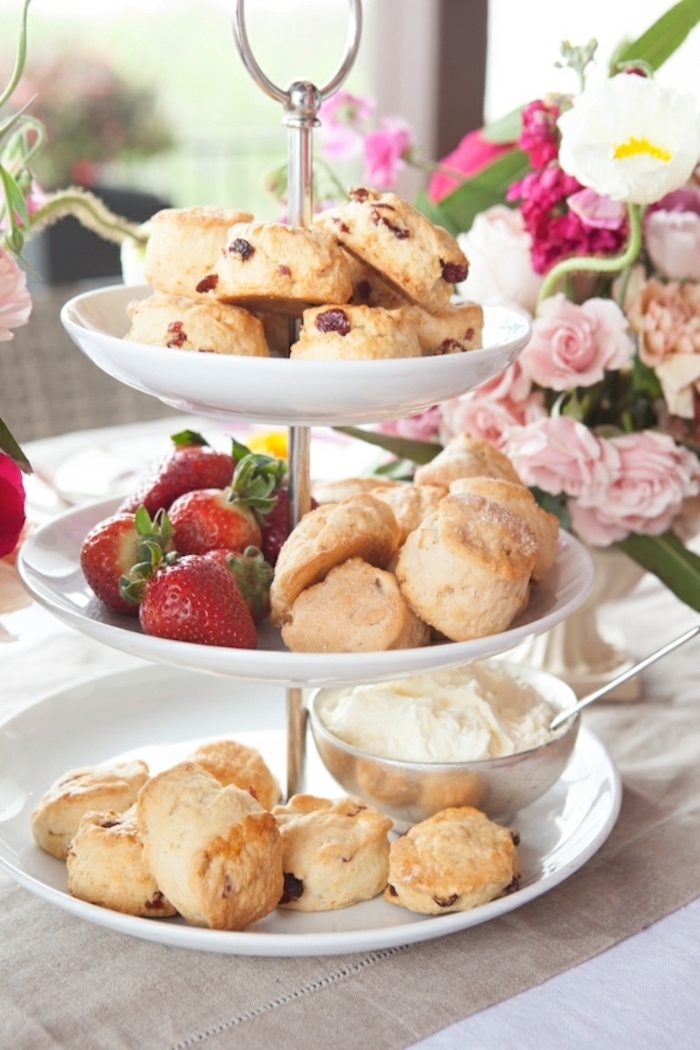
(12, 515)
(654, 477)
(421, 427)
(15, 300)
(384, 150)
(499, 251)
(560, 455)
(574, 345)
(493, 408)
(473, 153)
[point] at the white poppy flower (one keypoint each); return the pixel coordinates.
(631, 139)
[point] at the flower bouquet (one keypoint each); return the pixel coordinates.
(582, 211)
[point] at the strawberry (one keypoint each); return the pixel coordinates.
(114, 546)
(196, 599)
(275, 524)
(253, 576)
(191, 465)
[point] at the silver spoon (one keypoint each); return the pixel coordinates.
(564, 716)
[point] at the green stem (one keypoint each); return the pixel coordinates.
(90, 211)
(20, 60)
(594, 262)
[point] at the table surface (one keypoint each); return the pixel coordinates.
(640, 992)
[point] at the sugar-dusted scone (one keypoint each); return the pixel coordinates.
(519, 500)
(213, 850)
(234, 763)
(465, 456)
(335, 489)
(185, 323)
(452, 330)
(336, 852)
(410, 503)
(57, 815)
(105, 866)
(184, 243)
(357, 608)
(273, 267)
(355, 333)
(453, 861)
(359, 526)
(422, 261)
(466, 569)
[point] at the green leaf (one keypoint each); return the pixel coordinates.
(403, 448)
(663, 37)
(433, 212)
(12, 449)
(478, 192)
(671, 561)
(505, 129)
(188, 437)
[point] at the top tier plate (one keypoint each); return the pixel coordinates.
(276, 390)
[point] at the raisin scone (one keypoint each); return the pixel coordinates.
(185, 323)
(57, 815)
(355, 333)
(453, 861)
(454, 329)
(234, 763)
(335, 852)
(105, 866)
(184, 243)
(422, 261)
(370, 289)
(465, 456)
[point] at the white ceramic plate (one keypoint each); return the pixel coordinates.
(158, 714)
(49, 566)
(300, 393)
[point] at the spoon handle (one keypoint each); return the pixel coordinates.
(563, 716)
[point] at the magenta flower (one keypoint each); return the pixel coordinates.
(343, 125)
(539, 137)
(12, 514)
(384, 151)
(15, 300)
(473, 153)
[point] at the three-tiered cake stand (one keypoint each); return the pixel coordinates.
(300, 395)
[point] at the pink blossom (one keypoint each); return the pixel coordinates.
(421, 427)
(601, 213)
(15, 300)
(574, 345)
(498, 248)
(473, 153)
(560, 455)
(539, 137)
(645, 494)
(343, 117)
(384, 150)
(493, 408)
(672, 239)
(12, 515)
(667, 318)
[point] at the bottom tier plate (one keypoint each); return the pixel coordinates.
(158, 713)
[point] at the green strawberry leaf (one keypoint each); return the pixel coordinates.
(188, 437)
(9, 445)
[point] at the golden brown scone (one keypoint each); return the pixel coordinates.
(452, 330)
(334, 490)
(453, 861)
(465, 456)
(185, 243)
(411, 503)
(234, 763)
(280, 269)
(422, 261)
(336, 852)
(355, 333)
(213, 850)
(519, 500)
(105, 866)
(56, 817)
(184, 323)
(359, 526)
(370, 289)
(357, 608)
(466, 569)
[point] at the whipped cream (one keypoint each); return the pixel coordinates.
(462, 714)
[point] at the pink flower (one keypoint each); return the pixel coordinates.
(498, 248)
(384, 150)
(493, 408)
(646, 493)
(667, 318)
(12, 515)
(421, 427)
(601, 213)
(539, 137)
(574, 345)
(560, 455)
(473, 153)
(672, 239)
(343, 117)
(15, 300)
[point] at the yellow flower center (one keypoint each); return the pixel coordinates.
(634, 147)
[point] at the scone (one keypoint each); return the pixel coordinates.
(355, 333)
(358, 527)
(453, 861)
(335, 489)
(184, 323)
(466, 569)
(283, 269)
(213, 850)
(370, 289)
(519, 500)
(234, 763)
(410, 503)
(185, 243)
(105, 866)
(465, 456)
(422, 261)
(452, 330)
(56, 817)
(357, 608)
(335, 853)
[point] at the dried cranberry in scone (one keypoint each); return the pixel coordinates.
(337, 333)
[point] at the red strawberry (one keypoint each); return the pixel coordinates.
(253, 576)
(113, 547)
(275, 525)
(191, 465)
(196, 599)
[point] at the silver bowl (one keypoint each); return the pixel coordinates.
(409, 792)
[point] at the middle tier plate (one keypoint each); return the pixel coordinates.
(50, 568)
(277, 390)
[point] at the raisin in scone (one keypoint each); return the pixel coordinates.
(184, 243)
(184, 323)
(453, 861)
(355, 333)
(454, 329)
(335, 852)
(234, 763)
